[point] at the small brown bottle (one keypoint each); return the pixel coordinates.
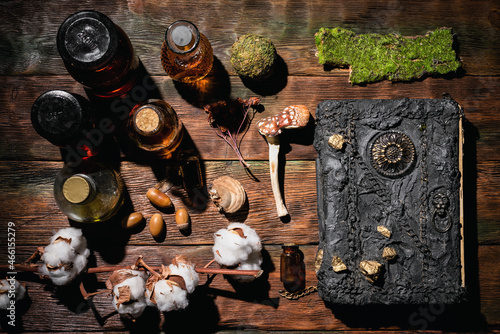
(186, 54)
(154, 127)
(292, 268)
(97, 53)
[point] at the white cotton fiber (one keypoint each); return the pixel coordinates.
(253, 262)
(231, 249)
(133, 310)
(65, 257)
(17, 292)
(170, 298)
(186, 270)
(60, 252)
(137, 303)
(78, 242)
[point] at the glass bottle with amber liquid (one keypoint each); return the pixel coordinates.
(98, 53)
(186, 54)
(89, 193)
(155, 127)
(292, 268)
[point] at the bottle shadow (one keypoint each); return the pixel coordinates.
(216, 86)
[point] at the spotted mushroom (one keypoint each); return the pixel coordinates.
(292, 117)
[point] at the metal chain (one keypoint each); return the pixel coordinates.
(298, 294)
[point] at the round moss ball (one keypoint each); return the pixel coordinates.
(253, 56)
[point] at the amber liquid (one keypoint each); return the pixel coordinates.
(117, 77)
(292, 269)
(188, 67)
(165, 139)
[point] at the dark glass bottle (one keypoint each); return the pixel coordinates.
(186, 54)
(89, 193)
(66, 120)
(154, 127)
(292, 268)
(97, 53)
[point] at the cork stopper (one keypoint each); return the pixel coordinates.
(76, 189)
(147, 121)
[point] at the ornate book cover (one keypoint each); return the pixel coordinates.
(389, 201)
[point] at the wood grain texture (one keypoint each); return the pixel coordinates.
(33, 208)
(31, 48)
(28, 201)
(28, 164)
(477, 95)
(257, 306)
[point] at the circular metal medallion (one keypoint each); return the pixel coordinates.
(392, 153)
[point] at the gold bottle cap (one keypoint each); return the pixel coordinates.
(147, 120)
(76, 189)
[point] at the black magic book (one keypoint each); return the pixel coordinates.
(389, 201)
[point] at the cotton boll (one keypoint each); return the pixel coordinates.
(253, 263)
(251, 237)
(129, 296)
(169, 298)
(133, 310)
(136, 282)
(61, 252)
(169, 290)
(78, 241)
(235, 244)
(62, 261)
(188, 273)
(226, 249)
(18, 290)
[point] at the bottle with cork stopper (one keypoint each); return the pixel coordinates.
(154, 127)
(186, 54)
(89, 193)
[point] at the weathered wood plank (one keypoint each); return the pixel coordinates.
(477, 95)
(27, 200)
(28, 40)
(29, 203)
(223, 306)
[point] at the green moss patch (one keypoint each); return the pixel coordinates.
(375, 57)
(253, 56)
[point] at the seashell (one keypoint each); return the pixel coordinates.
(227, 194)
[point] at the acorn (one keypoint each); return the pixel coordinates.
(132, 220)
(182, 219)
(159, 198)
(156, 225)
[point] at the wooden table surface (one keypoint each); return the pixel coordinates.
(30, 65)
